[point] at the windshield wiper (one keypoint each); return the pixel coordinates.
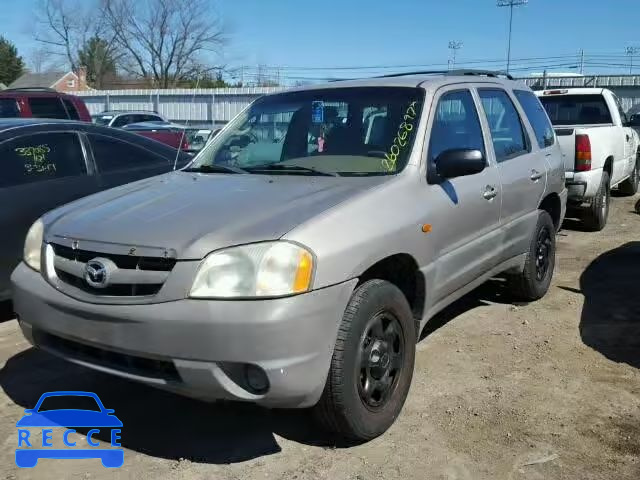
(289, 168)
(215, 168)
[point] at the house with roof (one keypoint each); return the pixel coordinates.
(68, 82)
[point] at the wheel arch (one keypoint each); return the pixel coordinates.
(402, 270)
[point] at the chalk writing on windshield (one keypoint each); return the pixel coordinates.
(401, 139)
(36, 159)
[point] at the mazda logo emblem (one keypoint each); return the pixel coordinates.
(96, 273)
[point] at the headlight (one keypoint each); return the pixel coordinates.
(33, 245)
(269, 269)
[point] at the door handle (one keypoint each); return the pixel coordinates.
(628, 137)
(490, 192)
(535, 175)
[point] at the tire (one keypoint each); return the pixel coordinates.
(347, 407)
(630, 186)
(595, 217)
(534, 280)
(637, 207)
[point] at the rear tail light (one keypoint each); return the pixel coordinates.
(583, 153)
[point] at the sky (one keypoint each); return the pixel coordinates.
(306, 39)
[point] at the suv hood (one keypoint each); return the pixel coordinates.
(195, 214)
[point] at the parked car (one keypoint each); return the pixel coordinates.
(164, 132)
(118, 119)
(46, 163)
(601, 151)
(305, 280)
(41, 103)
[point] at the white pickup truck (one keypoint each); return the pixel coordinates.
(600, 150)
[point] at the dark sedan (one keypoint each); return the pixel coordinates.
(47, 163)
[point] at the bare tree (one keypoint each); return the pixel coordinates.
(167, 41)
(68, 28)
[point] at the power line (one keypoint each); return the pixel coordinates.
(510, 4)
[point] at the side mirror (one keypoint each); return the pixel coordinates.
(460, 162)
(634, 121)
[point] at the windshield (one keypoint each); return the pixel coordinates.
(341, 131)
(577, 109)
(101, 119)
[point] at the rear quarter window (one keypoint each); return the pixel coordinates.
(71, 109)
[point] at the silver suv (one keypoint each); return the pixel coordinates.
(296, 260)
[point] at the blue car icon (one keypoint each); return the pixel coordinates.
(60, 417)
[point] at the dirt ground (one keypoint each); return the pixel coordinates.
(549, 390)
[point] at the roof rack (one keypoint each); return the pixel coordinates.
(486, 73)
(31, 89)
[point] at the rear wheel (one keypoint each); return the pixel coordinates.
(534, 280)
(372, 364)
(630, 185)
(596, 215)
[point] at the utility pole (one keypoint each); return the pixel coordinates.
(582, 61)
(454, 47)
(510, 4)
(631, 51)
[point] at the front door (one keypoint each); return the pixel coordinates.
(466, 237)
(522, 169)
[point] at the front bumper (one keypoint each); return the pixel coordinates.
(199, 348)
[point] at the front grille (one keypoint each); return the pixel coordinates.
(158, 264)
(144, 367)
(145, 276)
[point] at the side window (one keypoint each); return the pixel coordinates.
(537, 117)
(121, 121)
(42, 156)
(112, 154)
(71, 109)
(149, 118)
(9, 108)
(47, 107)
(507, 131)
(456, 125)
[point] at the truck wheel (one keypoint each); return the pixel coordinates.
(534, 280)
(372, 364)
(595, 217)
(630, 185)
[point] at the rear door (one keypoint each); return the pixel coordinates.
(521, 166)
(467, 242)
(40, 172)
(628, 139)
(119, 162)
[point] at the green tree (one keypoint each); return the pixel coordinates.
(99, 58)
(11, 64)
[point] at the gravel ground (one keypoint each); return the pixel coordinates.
(549, 390)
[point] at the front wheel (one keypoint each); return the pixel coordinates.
(372, 364)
